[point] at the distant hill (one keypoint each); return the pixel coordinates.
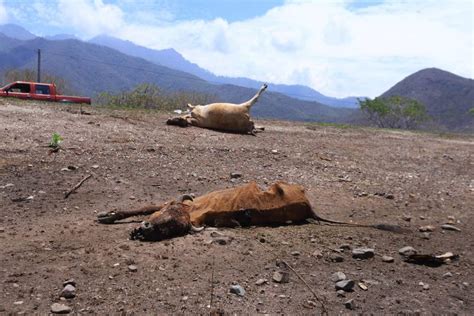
(172, 59)
(91, 69)
(447, 97)
(16, 32)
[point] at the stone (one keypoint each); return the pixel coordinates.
(447, 275)
(363, 286)
(387, 259)
(57, 308)
(235, 175)
(407, 251)
(345, 285)
(295, 253)
(349, 304)
(363, 253)
(2, 229)
(450, 227)
(341, 293)
(389, 196)
(281, 277)
(69, 291)
(237, 289)
(70, 281)
(334, 257)
(132, 268)
(338, 276)
(406, 217)
(345, 247)
(427, 228)
(261, 281)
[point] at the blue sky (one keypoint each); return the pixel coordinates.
(339, 47)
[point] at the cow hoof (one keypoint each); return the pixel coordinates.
(107, 217)
(142, 232)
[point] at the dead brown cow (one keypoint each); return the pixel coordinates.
(228, 117)
(246, 205)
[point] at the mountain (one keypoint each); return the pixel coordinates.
(60, 37)
(446, 96)
(91, 69)
(172, 59)
(16, 32)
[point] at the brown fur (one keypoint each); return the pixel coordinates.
(246, 205)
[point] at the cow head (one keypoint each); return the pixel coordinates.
(172, 221)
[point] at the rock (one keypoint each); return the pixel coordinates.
(427, 228)
(447, 275)
(338, 276)
(2, 229)
(349, 304)
(57, 308)
(387, 259)
(450, 227)
(407, 251)
(95, 166)
(426, 235)
(345, 285)
(281, 277)
(69, 291)
(318, 254)
(70, 281)
(132, 268)
(217, 234)
(345, 247)
(237, 289)
(334, 257)
(389, 196)
(341, 293)
(363, 286)
(424, 285)
(18, 303)
(363, 253)
(235, 175)
(295, 253)
(261, 281)
(406, 217)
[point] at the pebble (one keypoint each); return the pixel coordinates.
(338, 276)
(389, 196)
(261, 281)
(69, 291)
(387, 259)
(57, 308)
(447, 275)
(95, 166)
(295, 253)
(2, 229)
(345, 285)
(363, 286)
(349, 304)
(341, 293)
(407, 251)
(424, 285)
(426, 235)
(318, 254)
(235, 175)
(427, 228)
(237, 289)
(334, 257)
(18, 303)
(132, 268)
(406, 217)
(345, 247)
(70, 281)
(281, 277)
(450, 227)
(363, 253)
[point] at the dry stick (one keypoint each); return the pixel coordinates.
(212, 285)
(324, 311)
(77, 186)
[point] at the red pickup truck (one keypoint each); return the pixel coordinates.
(38, 91)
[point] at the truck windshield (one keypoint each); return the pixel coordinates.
(20, 87)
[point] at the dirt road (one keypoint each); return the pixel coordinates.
(351, 174)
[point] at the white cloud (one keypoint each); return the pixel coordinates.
(332, 46)
(90, 17)
(3, 13)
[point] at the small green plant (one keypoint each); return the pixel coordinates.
(56, 139)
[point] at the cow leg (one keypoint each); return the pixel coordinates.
(111, 217)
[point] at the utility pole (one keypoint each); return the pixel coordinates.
(38, 78)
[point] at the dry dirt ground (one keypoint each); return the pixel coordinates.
(351, 174)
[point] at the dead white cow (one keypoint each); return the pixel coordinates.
(229, 117)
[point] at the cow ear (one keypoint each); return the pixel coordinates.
(191, 106)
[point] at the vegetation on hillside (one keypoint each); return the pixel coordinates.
(394, 112)
(150, 96)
